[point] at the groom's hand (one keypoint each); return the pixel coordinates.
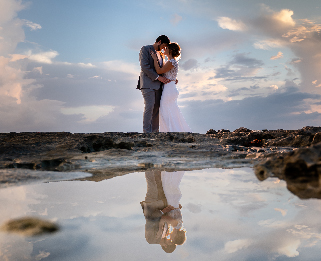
(168, 209)
(163, 79)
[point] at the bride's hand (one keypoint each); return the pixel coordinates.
(154, 56)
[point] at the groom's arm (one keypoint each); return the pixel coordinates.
(144, 59)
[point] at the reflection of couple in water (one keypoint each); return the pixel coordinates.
(162, 210)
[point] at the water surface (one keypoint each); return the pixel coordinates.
(227, 215)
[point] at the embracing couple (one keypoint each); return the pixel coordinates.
(158, 85)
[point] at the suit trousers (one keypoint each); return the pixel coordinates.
(151, 110)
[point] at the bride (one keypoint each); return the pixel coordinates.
(170, 116)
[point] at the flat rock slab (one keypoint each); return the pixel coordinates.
(109, 154)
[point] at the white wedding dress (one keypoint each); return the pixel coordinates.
(170, 117)
(171, 182)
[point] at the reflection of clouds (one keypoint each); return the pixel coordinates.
(193, 208)
(276, 236)
(15, 202)
(289, 248)
(282, 211)
(235, 245)
(104, 218)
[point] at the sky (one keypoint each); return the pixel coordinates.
(72, 65)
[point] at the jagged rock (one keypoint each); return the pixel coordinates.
(143, 143)
(96, 143)
(242, 129)
(211, 131)
(224, 131)
(124, 145)
(316, 138)
(301, 169)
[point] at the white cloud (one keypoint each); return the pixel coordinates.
(121, 66)
(91, 113)
(274, 87)
(268, 44)
(17, 57)
(12, 81)
(176, 19)
(86, 65)
(9, 9)
(43, 57)
(31, 25)
(290, 249)
(230, 24)
(285, 17)
(278, 56)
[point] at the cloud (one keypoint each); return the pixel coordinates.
(241, 67)
(9, 10)
(17, 57)
(121, 66)
(290, 249)
(31, 25)
(43, 57)
(304, 31)
(268, 44)
(86, 65)
(91, 113)
(284, 108)
(295, 61)
(189, 64)
(10, 26)
(278, 56)
(285, 17)
(37, 69)
(176, 19)
(230, 24)
(275, 29)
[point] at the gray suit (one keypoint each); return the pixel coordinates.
(151, 89)
(155, 201)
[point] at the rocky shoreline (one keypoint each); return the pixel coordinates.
(105, 155)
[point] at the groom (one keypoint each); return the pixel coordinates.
(151, 83)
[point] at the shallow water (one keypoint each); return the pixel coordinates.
(227, 215)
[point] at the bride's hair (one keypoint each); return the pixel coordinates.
(174, 49)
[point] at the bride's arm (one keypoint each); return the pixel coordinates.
(167, 66)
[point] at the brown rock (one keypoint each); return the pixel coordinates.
(29, 226)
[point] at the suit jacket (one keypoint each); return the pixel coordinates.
(148, 73)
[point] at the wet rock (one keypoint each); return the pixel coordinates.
(94, 143)
(143, 143)
(51, 164)
(29, 226)
(24, 165)
(301, 169)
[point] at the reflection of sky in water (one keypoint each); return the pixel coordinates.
(228, 215)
